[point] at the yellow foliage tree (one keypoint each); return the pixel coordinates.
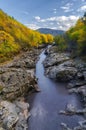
(50, 38)
(15, 37)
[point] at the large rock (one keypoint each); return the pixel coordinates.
(27, 63)
(17, 77)
(55, 59)
(8, 114)
(82, 91)
(60, 66)
(76, 84)
(11, 115)
(15, 82)
(51, 49)
(62, 72)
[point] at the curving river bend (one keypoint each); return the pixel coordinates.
(45, 105)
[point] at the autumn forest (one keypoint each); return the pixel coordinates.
(15, 37)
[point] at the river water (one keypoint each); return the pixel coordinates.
(45, 105)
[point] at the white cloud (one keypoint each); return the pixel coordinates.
(82, 8)
(62, 18)
(69, 10)
(59, 22)
(54, 11)
(60, 27)
(72, 17)
(32, 26)
(67, 7)
(37, 17)
(51, 19)
(51, 23)
(43, 20)
(64, 7)
(69, 4)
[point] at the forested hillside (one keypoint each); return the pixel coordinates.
(15, 37)
(74, 40)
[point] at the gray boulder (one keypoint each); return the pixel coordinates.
(80, 90)
(62, 72)
(23, 62)
(55, 59)
(51, 49)
(12, 116)
(8, 115)
(15, 82)
(17, 76)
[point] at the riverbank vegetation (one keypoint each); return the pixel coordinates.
(15, 37)
(74, 40)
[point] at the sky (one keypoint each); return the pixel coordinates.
(54, 14)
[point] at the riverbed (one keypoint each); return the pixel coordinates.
(45, 105)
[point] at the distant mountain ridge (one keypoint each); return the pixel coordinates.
(50, 31)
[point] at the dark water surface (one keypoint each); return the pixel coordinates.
(45, 105)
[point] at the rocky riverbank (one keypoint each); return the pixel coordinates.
(17, 78)
(61, 67)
